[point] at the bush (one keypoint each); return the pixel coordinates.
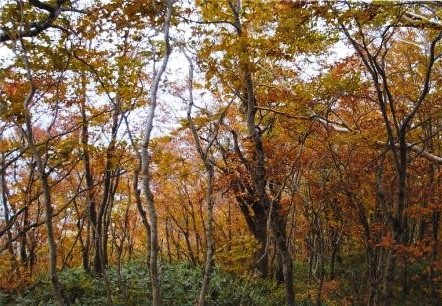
(180, 286)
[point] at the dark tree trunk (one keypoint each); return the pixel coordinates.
(90, 195)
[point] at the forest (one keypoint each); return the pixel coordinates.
(220, 152)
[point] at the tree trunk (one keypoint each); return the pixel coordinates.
(145, 164)
(261, 235)
(208, 267)
(205, 155)
(90, 197)
(6, 212)
(139, 204)
(257, 167)
(279, 231)
(46, 192)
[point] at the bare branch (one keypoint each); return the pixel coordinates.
(420, 152)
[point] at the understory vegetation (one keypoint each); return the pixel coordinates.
(180, 283)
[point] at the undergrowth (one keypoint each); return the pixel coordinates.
(180, 286)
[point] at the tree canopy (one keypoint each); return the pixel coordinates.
(293, 141)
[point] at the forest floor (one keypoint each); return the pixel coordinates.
(130, 285)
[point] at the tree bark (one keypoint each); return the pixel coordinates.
(257, 167)
(207, 159)
(145, 164)
(208, 267)
(90, 198)
(43, 177)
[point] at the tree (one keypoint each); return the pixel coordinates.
(145, 160)
(209, 164)
(374, 49)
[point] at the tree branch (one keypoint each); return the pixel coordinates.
(420, 152)
(35, 28)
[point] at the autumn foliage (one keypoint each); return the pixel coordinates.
(295, 142)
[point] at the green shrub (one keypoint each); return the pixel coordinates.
(180, 284)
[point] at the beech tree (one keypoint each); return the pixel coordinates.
(398, 109)
(305, 134)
